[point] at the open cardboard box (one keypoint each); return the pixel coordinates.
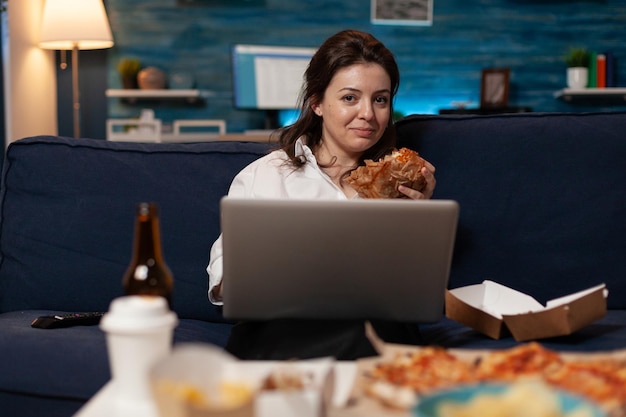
(496, 310)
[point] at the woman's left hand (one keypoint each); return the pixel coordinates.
(429, 174)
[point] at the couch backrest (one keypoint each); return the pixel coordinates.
(68, 210)
(542, 197)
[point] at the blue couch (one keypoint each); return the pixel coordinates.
(543, 211)
(542, 202)
(67, 210)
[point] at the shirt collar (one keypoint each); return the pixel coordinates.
(301, 149)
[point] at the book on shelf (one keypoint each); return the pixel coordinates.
(611, 80)
(592, 81)
(600, 71)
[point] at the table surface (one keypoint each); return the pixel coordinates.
(103, 404)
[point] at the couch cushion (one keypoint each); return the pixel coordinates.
(542, 197)
(71, 363)
(68, 208)
(606, 334)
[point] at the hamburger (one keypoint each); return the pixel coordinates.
(380, 179)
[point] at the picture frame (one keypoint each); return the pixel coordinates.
(402, 12)
(494, 88)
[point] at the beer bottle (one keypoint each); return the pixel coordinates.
(148, 274)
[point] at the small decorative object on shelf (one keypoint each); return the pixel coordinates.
(181, 80)
(151, 78)
(494, 88)
(577, 61)
(461, 105)
(128, 69)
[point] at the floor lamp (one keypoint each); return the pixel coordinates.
(73, 25)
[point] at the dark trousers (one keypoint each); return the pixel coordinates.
(287, 339)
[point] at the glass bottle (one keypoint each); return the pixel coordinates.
(148, 274)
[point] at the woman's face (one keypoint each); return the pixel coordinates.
(355, 109)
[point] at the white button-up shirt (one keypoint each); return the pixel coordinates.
(274, 176)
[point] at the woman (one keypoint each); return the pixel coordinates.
(345, 118)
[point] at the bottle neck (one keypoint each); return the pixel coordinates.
(147, 236)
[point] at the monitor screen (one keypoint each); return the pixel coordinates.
(268, 77)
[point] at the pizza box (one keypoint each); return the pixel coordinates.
(497, 311)
(200, 370)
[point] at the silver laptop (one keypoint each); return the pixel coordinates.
(334, 259)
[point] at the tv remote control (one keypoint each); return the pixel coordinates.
(67, 320)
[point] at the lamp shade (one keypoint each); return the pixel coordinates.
(70, 23)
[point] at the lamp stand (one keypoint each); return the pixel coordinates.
(75, 92)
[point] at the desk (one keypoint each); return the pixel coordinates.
(207, 137)
(150, 130)
(201, 137)
(485, 111)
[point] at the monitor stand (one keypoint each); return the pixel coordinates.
(271, 120)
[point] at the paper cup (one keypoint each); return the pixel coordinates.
(139, 331)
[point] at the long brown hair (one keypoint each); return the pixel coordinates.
(341, 50)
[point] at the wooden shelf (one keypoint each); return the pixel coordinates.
(132, 95)
(612, 94)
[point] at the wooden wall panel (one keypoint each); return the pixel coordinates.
(440, 64)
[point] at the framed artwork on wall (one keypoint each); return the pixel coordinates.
(494, 88)
(402, 12)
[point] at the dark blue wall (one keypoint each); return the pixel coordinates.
(93, 67)
(439, 63)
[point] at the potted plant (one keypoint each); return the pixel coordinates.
(128, 69)
(577, 61)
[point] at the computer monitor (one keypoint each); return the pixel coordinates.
(268, 78)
